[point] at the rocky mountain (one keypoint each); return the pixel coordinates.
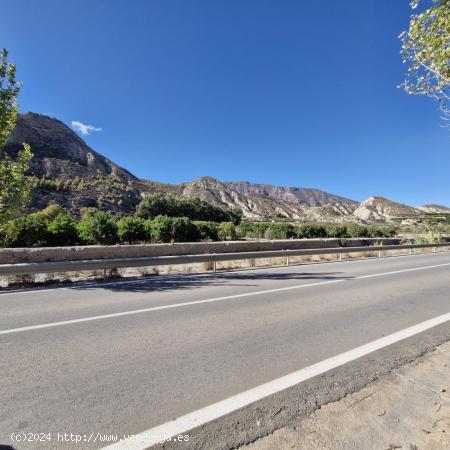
(67, 171)
(381, 209)
(303, 196)
(59, 152)
(435, 209)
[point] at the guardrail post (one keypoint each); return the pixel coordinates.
(214, 263)
(287, 260)
(434, 249)
(410, 250)
(340, 256)
(379, 253)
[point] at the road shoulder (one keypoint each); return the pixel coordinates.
(407, 409)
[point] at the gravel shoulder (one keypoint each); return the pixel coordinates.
(408, 409)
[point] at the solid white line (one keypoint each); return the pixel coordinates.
(196, 418)
(208, 300)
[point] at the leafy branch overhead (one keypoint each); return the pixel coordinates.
(14, 185)
(426, 48)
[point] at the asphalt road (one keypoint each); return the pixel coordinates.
(197, 339)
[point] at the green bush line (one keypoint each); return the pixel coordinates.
(54, 226)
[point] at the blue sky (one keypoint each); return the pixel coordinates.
(289, 92)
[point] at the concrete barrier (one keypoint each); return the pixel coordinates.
(83, 253)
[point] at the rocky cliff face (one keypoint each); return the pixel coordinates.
(58, 151)
(303, 196)
(381, 209)
(68, 172)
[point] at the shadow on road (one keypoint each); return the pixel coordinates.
(175, 282)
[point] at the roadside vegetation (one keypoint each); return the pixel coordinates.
(54, 226)
(14, 184)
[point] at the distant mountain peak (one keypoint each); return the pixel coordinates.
(76, 176)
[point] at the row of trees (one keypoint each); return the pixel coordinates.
(55, 226)
(270, 230)
(155, 205)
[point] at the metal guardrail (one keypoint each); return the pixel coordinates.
(117, 263)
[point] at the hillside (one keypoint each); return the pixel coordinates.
(382, 209)
(68, 172)
(58, 151)
(435, 209)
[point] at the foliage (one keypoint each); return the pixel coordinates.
(207, 230)
(170, 229)
(15, 186)
(426, 47)
(311, 231)
(62, 229)
(131, 229)
(51, 212)
(98, 228)
(26, 231)
(227, 231)
(336, 231)
(155, 205)
(183, 230)
(258, 230)
(280, 230)
(430, 237)
(160, 228)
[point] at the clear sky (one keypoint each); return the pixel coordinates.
(289, 92)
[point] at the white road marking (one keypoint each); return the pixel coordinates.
(208, 300)
(194, 419)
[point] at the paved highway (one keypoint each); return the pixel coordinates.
(123, 357)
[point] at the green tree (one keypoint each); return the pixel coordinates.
(183, 230)
(98, 228)
(155, 205)
(227, 231)
(15, 186)
(207, 230)
(26, 231)
(62, 229)
(131, 230)
(426, 48)
(160, 228)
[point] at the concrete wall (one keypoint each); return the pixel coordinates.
(23, 255)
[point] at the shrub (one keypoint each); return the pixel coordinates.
(62, 230)
(311, 231)
(336, 231)
(374, 231)
(160, 228)
(207, 230)
(354, 230)
(51, 212)
(183, 230)
(131, 229)
(279, 231)
(98, 228)
(243, 230)
(259, 229)
(227, 231)
(26, 231)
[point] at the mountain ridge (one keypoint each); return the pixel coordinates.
(69, 172)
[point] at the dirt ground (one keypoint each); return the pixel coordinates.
(410, 409)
